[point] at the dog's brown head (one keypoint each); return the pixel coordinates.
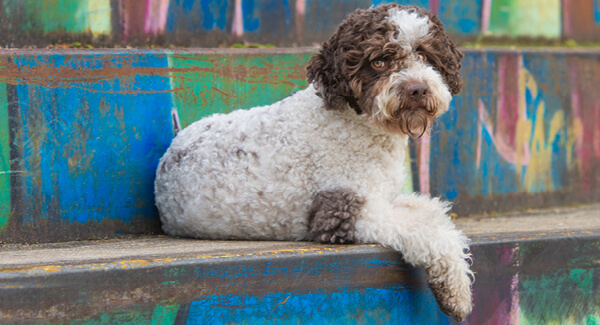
(392, 64)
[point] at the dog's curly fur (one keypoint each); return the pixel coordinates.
(333, 214)
(326, 163)
(339, 70)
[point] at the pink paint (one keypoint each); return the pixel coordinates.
(300, 15)
(485, 15)
(424, 152)
(503, 128)
(434, 7)
(496, 294)
(148, 17)
(176, 122)
(566, 19)
(300, 7)
(237, 27)
(586, 113)
(156, 16)
(514, 290)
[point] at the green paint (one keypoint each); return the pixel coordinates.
(164, 314)
(562, 297)
(592, 320)
(4, 160)
(73, 16)
(133, 315)
(208, 84)
(529, 18)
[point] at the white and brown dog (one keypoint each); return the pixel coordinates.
(326, 163)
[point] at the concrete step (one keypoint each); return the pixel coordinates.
(81, 132)
(534, 267)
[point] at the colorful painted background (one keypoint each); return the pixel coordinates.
(210, 23)
(81, 132)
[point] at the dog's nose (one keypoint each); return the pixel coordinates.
(416, 91)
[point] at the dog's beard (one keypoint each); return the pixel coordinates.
(395, 113)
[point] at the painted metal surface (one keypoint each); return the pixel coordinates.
(527, 281)
(83, 131)
(333, 285)
(86, 132)
(211, 23)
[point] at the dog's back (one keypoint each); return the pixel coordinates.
(254, 174)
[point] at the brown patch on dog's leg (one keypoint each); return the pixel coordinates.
(333, 215)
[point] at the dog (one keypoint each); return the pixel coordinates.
(327, 163)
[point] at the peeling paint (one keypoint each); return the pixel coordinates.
(4, 160)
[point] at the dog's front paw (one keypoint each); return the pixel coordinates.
(452, 293)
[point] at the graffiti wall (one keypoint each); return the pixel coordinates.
(81, 132)
(531, 130)
(213, 23)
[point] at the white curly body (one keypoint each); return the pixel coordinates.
(252, 174)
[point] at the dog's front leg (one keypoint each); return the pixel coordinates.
(419, 228)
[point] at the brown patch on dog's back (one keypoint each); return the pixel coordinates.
(333, 215)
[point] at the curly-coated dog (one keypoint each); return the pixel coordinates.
(326, 163)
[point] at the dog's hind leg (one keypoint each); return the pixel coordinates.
(333, 214)
(419, 228)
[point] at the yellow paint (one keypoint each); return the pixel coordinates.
(98, 17)
(526, 83)
(539, 172)
(539, 142)
(132, 264)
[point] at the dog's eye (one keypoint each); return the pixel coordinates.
(421, 57)
(378, 64)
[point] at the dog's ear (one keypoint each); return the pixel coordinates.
(442, 53)
(452, 65)
(327, 70)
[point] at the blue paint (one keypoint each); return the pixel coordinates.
(277, 268)
(391, 305)
(462, 16)
(197, 15)
(251, 22)
(420, 3)
(215, 13)
(456, 139)
(272, 17)
(91, 149)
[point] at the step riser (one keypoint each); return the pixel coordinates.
(301, 22)
(81, 132)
